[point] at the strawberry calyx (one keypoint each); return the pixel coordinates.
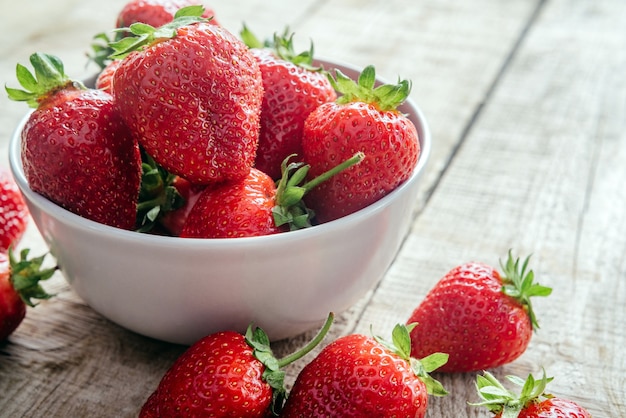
(157, 194)
(400, 345)
(274, 374)
(48, 78)
(519, 284)
(26, 275)
(290, 208)
(141, 35)
(495, 397)
(385, 97)
(282, 46)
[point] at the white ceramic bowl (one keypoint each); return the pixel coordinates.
(179, 290)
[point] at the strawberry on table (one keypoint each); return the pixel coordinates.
(76, 149)
(257, 205)
(19, 285)
(364, 118)
(360, 376)
(13, 211)
(226, 374)
(481, 318)
(531, 402)
(191, 94)
(293, 88)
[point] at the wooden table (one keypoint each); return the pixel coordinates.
(526, 101)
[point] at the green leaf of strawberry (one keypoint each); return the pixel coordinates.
(49, 77)
(142, 34)
(26, 274)
(290, 209)
(401, 346)
(384, 97)
(520, 285)
(530, 402)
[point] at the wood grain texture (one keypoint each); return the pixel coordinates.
(526, 102)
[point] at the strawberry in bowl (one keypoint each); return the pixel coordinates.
(181, 289)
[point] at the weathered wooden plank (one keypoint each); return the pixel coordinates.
(541, 172)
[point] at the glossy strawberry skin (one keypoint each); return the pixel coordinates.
(467, 316)
(77, 151)
(13, 211)
(334, 132)
(218, 376)
(12, 308)
(355, 376)
(104, 81)
(234, 209)
(155, 12)
(197, 117)
(553, 408)
(291, 94)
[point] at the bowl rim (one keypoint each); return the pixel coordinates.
(77, 221)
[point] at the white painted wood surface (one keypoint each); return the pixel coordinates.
(526, 101)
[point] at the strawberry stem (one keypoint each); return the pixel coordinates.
(282, 46)
(518, 284)
(273, 374)
(290, 209)
(157, 194)
(400, 345)
(48, 78)
(26, 275)
(142, 35)
(495, 397)
(385, 97)
(311, 345)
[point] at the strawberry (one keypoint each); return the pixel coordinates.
(155, 12)
(531, 402)
(365, 118)
(226, 374)
(174, 220)
(151, 12)
(360, 376)
(19, 285)
(256, 205)
(293, 88)
(480, 318)
(13, 211)
(197, 117)
(104, 81)
(76, 150)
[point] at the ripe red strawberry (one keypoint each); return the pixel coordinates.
(293, 89)
(76, 150)
(531, 402)
(241, 208)
(364, 119)
(13, 211)
(104, 81)
(225, 374)
(256, 205)
(19, 285)
(359, 376)
(156, 12)
(192, 96)
(480, 318)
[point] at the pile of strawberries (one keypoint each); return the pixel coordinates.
(192, 132)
